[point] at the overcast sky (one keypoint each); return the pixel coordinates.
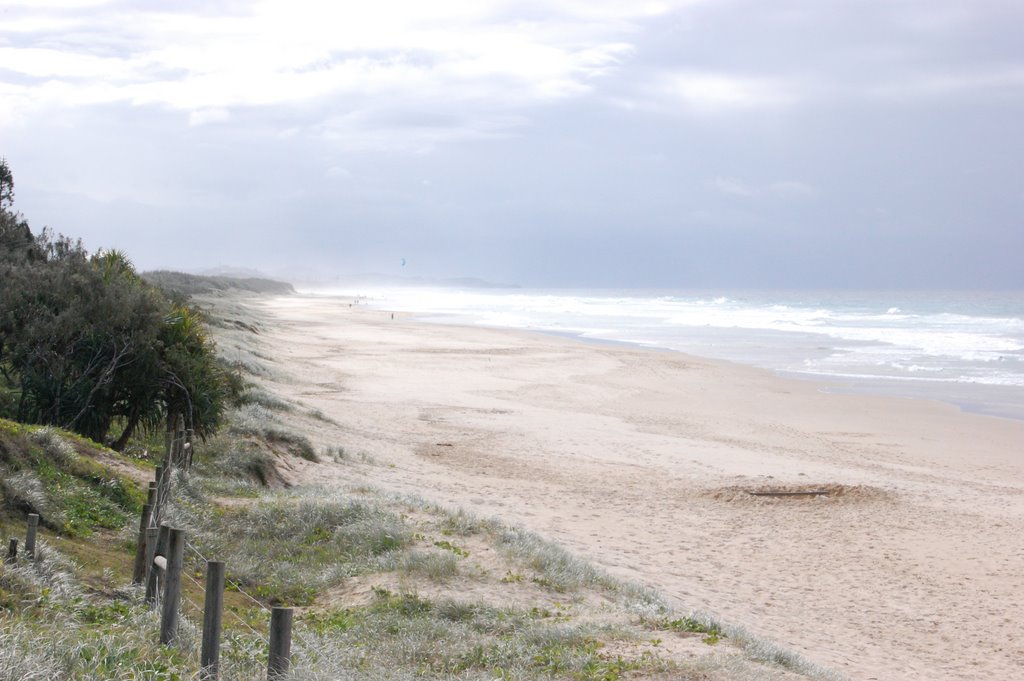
(692, 144)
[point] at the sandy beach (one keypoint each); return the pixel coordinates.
(905, 562)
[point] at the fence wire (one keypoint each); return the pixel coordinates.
(238, 587)
(155, 518)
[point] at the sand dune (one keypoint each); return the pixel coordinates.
(910, 567)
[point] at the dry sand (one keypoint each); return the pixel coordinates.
(642, 461)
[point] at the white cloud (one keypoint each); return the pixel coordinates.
(915, 86)
(52, 63)
(58, 4)
(790, 188)
(491, 54)
(338, 173)
(732, 187)
(372, 128)
(207, 116)
(707, 92)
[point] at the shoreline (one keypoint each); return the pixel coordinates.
(829, 384)
(964, 405)
(642, 462)
(969, 395)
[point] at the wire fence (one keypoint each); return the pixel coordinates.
(236, 587)
(160, 564)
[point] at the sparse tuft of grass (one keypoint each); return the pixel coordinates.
(448, 546)
(236, 462)
(298, 445)
(57, 448)
(320, 416)
(434, 565)
(694, 624)
(342, 455)
(556, 568)
(260, 397)
(462, 523)
(258, 422)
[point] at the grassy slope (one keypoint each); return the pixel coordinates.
(69, 481)
(387, 587)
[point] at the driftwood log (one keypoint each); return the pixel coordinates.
(806, 493)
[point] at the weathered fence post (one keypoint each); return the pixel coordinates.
(163, 490)
(172, 586)
(151, 493)
(151, 538)
(139, 569)
(280, 656)
(30, 535)
(158, 502)
(188, 449)
(213, 607)
(153, 582)
(179, 442)
(168, 444)
(12, 550)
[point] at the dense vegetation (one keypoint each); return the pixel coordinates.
(193, 284)
(88, 345)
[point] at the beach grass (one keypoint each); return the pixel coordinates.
(536, 611)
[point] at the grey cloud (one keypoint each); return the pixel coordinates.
(720, 144)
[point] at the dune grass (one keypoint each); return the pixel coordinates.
(297, 547)
(55, 474)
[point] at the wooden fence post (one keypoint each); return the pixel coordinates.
(152, 534)
(159, 503)
(30, 535)
(179, 441)
(280, 656)
(213, 607)
(139, 569)
(12, 550)
(172, 587)
(168, 443)
(151, 493)
(163, 490)
(189, 434)
(153, 582)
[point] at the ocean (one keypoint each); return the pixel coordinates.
(965, 348)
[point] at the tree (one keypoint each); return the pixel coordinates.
(6, 185)
(87, 344)
(195, 384)
(76, 337)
